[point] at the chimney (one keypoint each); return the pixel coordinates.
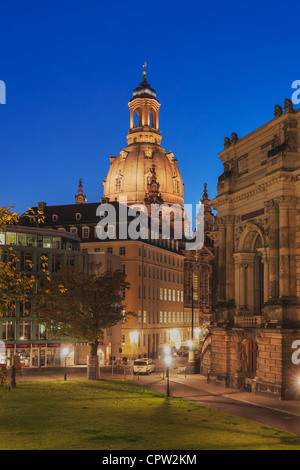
(41, 206)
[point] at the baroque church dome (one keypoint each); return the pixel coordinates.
(131, 172)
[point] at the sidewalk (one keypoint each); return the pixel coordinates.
(265, 410)
(199, 383)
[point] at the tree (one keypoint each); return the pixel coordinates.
(15, 285)
(79, 306)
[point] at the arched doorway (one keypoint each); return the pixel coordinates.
(250, 273)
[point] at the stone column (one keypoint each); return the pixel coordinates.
(229, 257)
(292, 245)
(222, 259)
(287, 246)
(272, 210)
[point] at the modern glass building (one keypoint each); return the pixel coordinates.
(19, 330)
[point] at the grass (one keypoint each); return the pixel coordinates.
(112, 415)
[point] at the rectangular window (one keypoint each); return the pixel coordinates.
(160, 317)
(195, 286)
(8, 331)
(25, 330)
(139, 317)
(122, 250)
(85, 232)
(161, 295)
(111, 231)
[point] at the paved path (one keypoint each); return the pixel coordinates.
(262, 409)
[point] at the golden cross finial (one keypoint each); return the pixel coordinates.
(144, 65)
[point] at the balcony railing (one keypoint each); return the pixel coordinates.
(248, 321)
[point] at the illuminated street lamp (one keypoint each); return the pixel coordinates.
(65, 352)
(168, 361)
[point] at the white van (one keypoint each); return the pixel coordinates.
(143, 366)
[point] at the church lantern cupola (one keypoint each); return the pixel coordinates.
(145, 108)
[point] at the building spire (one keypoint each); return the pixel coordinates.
(205, 195)
(80, 198)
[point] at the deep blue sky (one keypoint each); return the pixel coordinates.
(70, 68)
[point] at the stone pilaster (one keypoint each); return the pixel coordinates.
(272, 210)
(229, 220)
(222, 260)
(287, 237)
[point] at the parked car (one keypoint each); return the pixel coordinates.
(183, 351)
(143, 366)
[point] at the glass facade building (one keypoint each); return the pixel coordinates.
(19, 330)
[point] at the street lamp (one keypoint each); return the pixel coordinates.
(168, 361)
(65, 352)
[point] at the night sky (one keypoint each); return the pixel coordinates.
(70, 68)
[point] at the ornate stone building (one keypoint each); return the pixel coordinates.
(161, 281)
(257, 234)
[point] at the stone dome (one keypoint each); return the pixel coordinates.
(130, 171)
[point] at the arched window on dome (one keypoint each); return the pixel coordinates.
(137, 118)
(153, 119)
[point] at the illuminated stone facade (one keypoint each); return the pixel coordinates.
(257, 234)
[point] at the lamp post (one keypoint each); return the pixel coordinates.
(65, 352)
(168, 361)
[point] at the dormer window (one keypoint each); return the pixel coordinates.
(74, 230)
(54, 218)
(78, 216)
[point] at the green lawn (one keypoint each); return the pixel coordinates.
(119, 415)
